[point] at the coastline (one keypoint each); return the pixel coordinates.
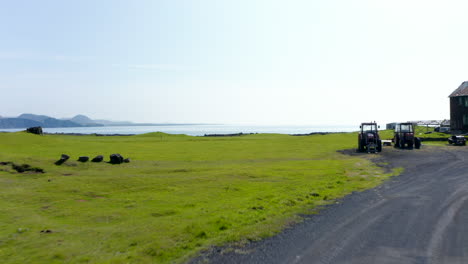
(198, 130)
(205, 135)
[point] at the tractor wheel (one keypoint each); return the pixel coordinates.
(397, 143)
(402, 144)
(379, 146)
(417, 143)
(410, 145)
(360, 146)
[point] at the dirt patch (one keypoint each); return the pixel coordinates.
(350, 152)
(380, 159)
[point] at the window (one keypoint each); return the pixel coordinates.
(369, 128)
(406, 128)
(465, 120)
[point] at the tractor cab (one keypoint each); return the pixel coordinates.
(404, 128)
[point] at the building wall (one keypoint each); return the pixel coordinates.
(459, 113)
(390, 126)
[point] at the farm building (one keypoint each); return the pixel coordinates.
(459, 108)
(390, 126)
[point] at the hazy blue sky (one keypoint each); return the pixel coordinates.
(213, 61)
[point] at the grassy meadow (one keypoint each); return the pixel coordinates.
(177, 196)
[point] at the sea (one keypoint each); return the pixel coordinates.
(195, 130)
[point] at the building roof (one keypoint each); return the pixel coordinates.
(462, 90)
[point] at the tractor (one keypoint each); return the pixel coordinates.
(404, 136)
(368, 138)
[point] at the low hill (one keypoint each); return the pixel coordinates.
(34, 117)
(85, 121)
(81, 119)
(52, 122)
(31, 120)
(18, 123)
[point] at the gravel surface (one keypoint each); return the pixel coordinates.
(420, 216)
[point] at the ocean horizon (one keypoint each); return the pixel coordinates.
(196, 130)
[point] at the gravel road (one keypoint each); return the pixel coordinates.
(420, 216)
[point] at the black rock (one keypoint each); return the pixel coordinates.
(62, 159)
(35, 130)
(127, 160)
(98, 158)
(21, 168)
(116, 159)
(83, 158)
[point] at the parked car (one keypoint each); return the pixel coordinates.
(457, 140)
(442, 129)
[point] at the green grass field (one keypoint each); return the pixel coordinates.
(177, 196)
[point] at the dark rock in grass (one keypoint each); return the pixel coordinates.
(98, 158)
(48, 231)
(116, 159)
(257, 208)
(62, 159)
(227, 135)
(3, 163)
(127, 160)
(35, 130)
(26, 167)
(315, 194)
(21, 168)
(38, 170)
(83, 158)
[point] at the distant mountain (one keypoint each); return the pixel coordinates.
(85, 121)
(52, 122)
(18, 123)
(81, 119)
(39, 118)
(31, 120)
